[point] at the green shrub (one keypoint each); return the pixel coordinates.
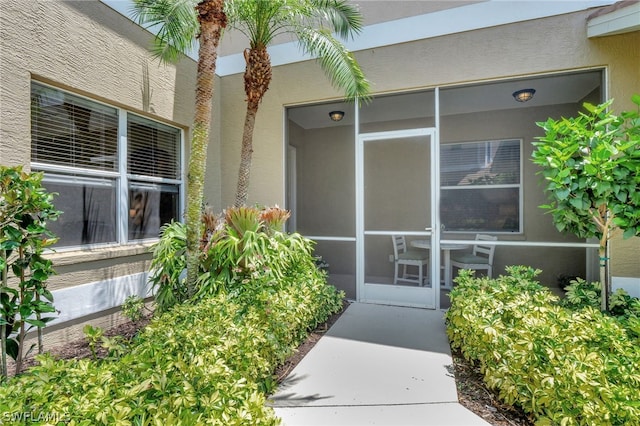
(25, 304)
(562, 366)
(210, 362)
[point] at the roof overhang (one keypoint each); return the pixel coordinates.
(619, 18)
(474, 16)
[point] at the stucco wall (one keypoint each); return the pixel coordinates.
(87, 48)
(540, 46)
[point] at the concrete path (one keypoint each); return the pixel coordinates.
(377, 365)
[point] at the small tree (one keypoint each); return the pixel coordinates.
(25, 208)
(179, 24)
(312, 23)
(591, 164)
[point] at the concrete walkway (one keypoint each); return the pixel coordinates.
(377, 365)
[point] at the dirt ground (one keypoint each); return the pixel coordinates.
(471, 391)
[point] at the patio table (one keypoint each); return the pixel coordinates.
(446, 251)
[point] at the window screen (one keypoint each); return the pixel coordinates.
(480, 186)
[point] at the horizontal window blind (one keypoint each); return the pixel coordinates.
(154, 149)
(71, 131)
(480, 163)
(480, 186)
(76, 142)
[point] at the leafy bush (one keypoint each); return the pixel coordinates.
(562, 366)
(205, 363)
(624, 308)
(169, 262)
(25, 209)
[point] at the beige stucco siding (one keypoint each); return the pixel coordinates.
(87, 48)
(550, 45)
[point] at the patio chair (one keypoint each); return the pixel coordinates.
(481, 258)
(404, 257)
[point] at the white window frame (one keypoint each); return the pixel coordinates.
(519, 186)
(58, 173)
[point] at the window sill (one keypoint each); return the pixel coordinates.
(84, 255)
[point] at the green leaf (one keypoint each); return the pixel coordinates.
(40, 275)
(35, 322)
(591, 169)
(12, 348)
(562, 194)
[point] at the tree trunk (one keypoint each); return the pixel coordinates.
(244, 173)
(22, 332)
(212, 20)
(257, 77)
(603, 285)
(3, 328)
(39, 317)
(604, 277)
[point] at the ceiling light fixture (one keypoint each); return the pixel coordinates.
(336, 115)
(523, 95)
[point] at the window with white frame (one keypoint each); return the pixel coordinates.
(481, 186)
(118, 175)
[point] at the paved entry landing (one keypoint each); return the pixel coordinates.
(377, 365)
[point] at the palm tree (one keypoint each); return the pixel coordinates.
(312, 22)
(180, 23)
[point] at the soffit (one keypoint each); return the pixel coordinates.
(622, 17)
(400, 21)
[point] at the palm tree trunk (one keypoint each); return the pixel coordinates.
(212, 20)
(257, 77)
(244, 173)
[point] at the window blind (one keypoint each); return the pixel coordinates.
(68, 130)
(154, 149)
(480, 186)
(480, 163)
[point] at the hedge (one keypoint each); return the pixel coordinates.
(561, 366)
(206, 363)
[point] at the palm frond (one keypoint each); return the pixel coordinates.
(176, 24)
(344, 18)
(259, 20)
(337, 61)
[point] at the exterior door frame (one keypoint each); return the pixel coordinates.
(390, 294)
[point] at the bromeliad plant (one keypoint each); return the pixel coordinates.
(238, 248)
(25, 208)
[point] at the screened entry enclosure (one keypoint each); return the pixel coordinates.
(437, 169)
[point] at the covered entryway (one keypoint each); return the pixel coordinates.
(441, 165)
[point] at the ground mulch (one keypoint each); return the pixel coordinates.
(472, 393)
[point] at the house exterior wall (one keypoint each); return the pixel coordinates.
(88, 49)
(549, 45)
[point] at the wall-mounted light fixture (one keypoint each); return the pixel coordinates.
(336, 115)
(523, 95)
